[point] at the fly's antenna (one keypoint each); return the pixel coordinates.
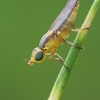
(25, 60)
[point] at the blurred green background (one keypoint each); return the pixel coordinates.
(22, 24)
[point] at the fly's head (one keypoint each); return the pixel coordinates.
(37, 56)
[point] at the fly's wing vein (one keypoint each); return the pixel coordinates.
(63, 16)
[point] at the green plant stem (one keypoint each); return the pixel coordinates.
(73, 54)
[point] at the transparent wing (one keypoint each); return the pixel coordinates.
(63, 15)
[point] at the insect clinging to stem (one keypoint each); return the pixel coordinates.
(57, 34)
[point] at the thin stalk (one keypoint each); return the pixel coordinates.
(73, 54)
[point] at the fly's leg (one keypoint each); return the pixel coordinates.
(59, 58)
(78, 29)
(75, 30)
(72, 44)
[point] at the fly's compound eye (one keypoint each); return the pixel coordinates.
(39, 56)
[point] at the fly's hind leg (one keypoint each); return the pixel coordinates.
(75, 30)
(78, 29)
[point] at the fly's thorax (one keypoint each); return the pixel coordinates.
(49, 42)
(37, 56)
(45, 39)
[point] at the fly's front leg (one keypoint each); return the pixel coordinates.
(62, 61)
(59, 58)
(72, 44)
